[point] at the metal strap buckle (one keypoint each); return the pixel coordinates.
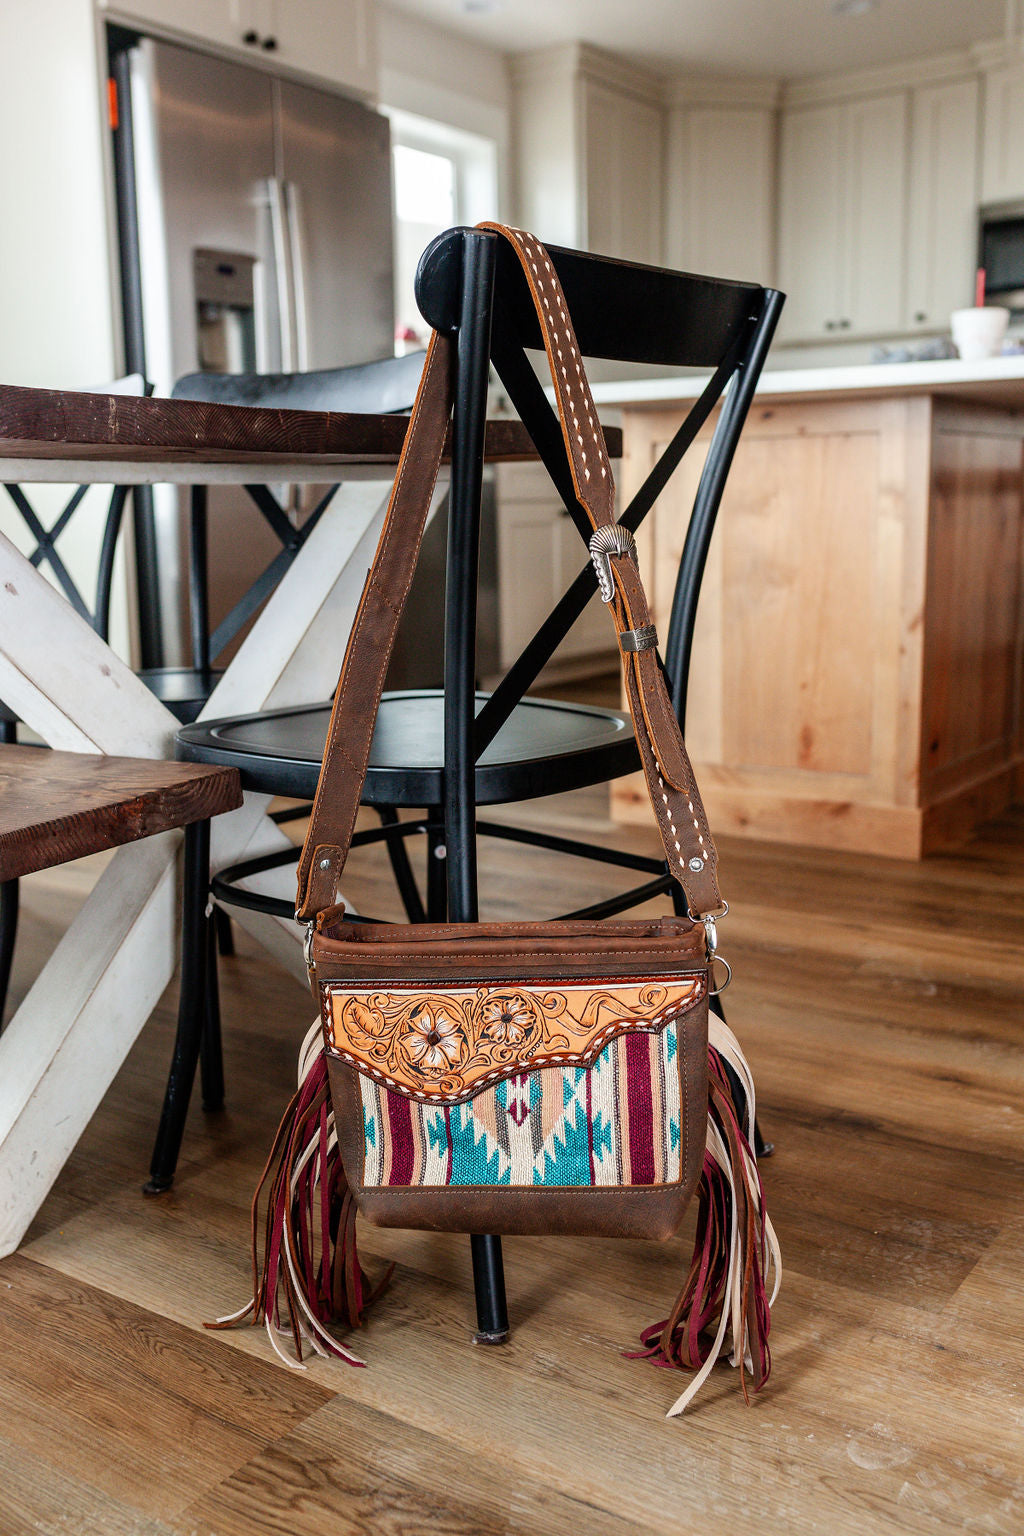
(610, 539)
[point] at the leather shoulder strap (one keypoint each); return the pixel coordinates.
(680, 815)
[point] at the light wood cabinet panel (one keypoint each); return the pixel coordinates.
(1002, 162)
(857, 662)
(973, 603)
(842, 217)
(720, 192)
(941, 234)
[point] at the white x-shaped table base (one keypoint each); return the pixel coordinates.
(62, 1048)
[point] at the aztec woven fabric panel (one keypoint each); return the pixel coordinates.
(555, 1085)
(615, 1123)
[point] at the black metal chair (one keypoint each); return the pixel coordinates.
(448, 752)
(386, 385)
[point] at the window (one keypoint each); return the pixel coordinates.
(442, 176)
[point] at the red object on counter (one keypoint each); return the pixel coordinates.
(979, 288)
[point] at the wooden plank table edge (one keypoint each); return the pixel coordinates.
(68, 424)
(59, 806)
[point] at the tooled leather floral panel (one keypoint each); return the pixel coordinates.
(444, 1043)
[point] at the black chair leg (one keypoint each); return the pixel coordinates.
(9, 900)
(437, 872)
(762, 1148)
(211, 1059)
(191, 1009)
(489, 1284)
(225, 933)
(401, 868)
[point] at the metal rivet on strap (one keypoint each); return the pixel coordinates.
(696, 864)
(325, 863)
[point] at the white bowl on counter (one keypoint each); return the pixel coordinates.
(979, 332)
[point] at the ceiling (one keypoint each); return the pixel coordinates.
(784, 38)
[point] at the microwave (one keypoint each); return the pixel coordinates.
(1001, 254)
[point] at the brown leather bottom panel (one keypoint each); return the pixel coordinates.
(647, 1211)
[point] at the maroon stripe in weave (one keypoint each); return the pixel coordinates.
(400, 1128)
(641, 1109)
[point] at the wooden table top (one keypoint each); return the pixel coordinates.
(77, 428)
(58, 806)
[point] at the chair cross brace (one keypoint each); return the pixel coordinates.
(46, 550)
(206, 645)
(528, 396)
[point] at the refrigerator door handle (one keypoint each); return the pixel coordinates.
(282, 271)
(297, 255)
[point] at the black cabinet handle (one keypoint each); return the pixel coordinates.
(269, 44)
(920, 315)
(250, 37)
(844, 325)
(830, 325)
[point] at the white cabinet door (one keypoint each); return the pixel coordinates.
(228, 23)
(622, 174)
(720, 192)
(810, 221)
(875, 156)
(942, 235)
(332, 39)
(842, 218)
(1002, 161)
(539, 554)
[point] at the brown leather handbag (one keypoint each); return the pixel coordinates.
(552, 1077)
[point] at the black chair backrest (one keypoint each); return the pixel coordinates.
(471, 285)
(386, 386)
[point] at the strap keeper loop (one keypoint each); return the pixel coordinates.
(643, 639)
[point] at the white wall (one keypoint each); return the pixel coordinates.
(57, 319)
(59, 324)
(446, 78)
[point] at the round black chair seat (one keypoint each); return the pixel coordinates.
(543, 748)
(183, 689)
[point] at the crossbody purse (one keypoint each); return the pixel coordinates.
(529, 1077)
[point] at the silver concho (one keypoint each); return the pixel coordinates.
(610, 539)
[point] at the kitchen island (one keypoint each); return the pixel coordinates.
(857, 667)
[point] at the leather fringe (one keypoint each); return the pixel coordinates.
(736, 1253)
(310, 1262)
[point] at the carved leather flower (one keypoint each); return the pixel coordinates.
(433, 1041)
(507, 1019)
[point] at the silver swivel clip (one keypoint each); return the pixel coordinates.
(711, 940)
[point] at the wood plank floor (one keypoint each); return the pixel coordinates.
(882, 1006)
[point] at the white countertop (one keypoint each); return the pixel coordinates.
(997, 380)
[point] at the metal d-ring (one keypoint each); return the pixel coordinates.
(716, 991)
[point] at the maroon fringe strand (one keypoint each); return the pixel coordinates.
(306, 1268)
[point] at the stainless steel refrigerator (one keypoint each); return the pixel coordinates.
(265, 244)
